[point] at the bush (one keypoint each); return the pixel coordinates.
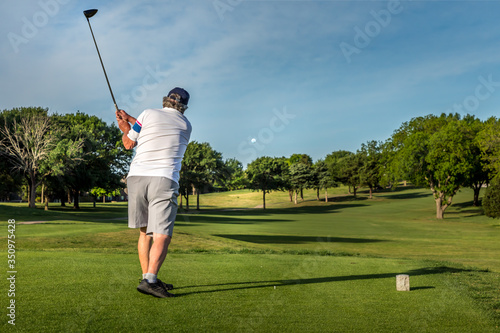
(491, 200)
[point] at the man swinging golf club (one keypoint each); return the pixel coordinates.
(161, 137)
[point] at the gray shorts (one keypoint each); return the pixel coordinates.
(152, 203)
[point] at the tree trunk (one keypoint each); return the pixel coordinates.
(69, 196)
(46, 207)
(477, 189)
(180, 201)
(371, 192)
(264, 199)
(295, 198)
(439, 209)
(63, 199)
(76, 199)
(32, 197)
(290, 194)
(317, 193)
(302, 194)
(94, 201)
(42, 197)
(354, 189)
(103, 199)
(326, 194)
(187, 200)
(197, 199)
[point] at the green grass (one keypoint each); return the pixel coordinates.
(333, 265)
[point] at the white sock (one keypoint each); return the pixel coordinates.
(150, 277)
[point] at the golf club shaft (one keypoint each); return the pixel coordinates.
(99, 54)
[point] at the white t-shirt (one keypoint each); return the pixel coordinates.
(162, 136)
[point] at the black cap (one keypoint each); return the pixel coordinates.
(181, 92)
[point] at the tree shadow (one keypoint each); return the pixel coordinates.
(231, 219)
(231, 286)
(279, 239)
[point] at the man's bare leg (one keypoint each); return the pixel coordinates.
(144, 246)
(158, 252)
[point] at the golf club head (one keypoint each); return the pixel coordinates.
(89, 13)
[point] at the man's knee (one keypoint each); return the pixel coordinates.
(162, 238)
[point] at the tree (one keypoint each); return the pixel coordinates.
(300, 177)
(370, 170)
(435, 152)
(349, 171)
(201, 166)
(332, 161)
(322, 178)
(491, 200)
(306, 161)
(30, 143)
(10, 182)
(234, 176)
(479, 173)
(104, 160)
(266, 174)
(489, 145)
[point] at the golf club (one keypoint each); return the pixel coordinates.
(88, 14)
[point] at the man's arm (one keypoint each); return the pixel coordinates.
(123, 120)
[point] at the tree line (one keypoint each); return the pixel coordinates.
(443, 153)
(76, 153)
(65, 155)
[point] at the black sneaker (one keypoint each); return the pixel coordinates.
(167, 286)
(154, 289)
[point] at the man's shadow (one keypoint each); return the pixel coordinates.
(265, 284)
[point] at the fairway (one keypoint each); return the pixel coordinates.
(315, 267)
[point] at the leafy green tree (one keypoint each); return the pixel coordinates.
(322, 178)
(234, 174)
(350, 171)
(436, 152)
(479, 173)
(103, 159)
(306, 161)
(300, 177)
(201, 166)
(489, 145)
(266, 174)
(10, 182)
(370, 171)
(491, 199)
(33, 145)
(332, 161)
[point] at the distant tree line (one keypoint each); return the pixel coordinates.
(74, 153)
(65, 155)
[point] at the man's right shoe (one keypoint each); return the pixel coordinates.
(167, 286)
(154, 289)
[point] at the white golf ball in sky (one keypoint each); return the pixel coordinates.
(253, 140)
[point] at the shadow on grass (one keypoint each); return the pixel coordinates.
(230, 286)
(257, 212)
(208, 218)
(279, 239)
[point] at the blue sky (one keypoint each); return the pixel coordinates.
(297, 76)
